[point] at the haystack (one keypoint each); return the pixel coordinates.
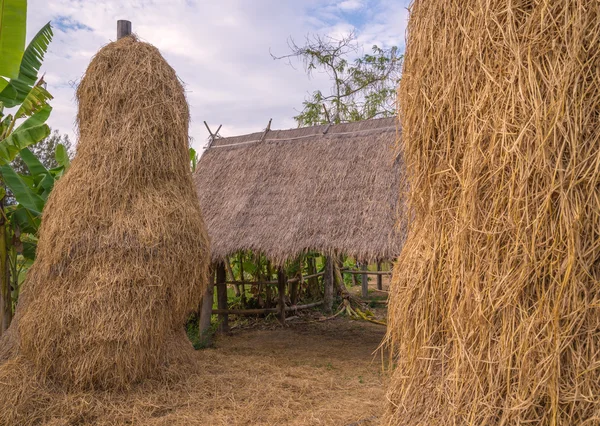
(123, 250)
(495, 302)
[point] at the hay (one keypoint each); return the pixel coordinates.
(494, 306)
(320, 373)
(323, 188)
(123, 251)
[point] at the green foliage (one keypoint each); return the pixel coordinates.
(194, 158)
(363, 87)
(13, 19)
(53, 151)
(31, 189)
(26, 126)
(20, 86)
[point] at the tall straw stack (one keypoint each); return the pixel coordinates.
(495, 300)
(123, 251)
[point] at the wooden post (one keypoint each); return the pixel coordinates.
(206, 311)
(328, 283)
(222, 297)
(294, 288)
(268, 290)
(243, 285)
(313, 281)
(281, 284)
(123, 28)
(365, 282)
(379, 277)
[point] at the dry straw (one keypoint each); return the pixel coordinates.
(324, 188)
(495, 302)
(123, 250)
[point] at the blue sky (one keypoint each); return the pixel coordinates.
(220, 49)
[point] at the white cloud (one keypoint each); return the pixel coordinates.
(351, 5)
(219, 49)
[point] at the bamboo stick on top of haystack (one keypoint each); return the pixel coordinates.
(123, 251)
(494, 307)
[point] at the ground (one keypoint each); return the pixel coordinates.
(312, 371)
(322, 373)
(309, 372)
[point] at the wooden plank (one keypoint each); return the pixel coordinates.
(222, 298)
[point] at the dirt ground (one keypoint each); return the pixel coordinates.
(307, 373)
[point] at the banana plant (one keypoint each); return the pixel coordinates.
(20, 88)
(31, 192)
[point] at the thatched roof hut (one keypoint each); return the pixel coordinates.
(321, 188)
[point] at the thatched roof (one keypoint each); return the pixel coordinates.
(318, 188)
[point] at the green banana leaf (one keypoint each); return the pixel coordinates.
(42, 178)
(26, 221)
(29, 132)
(62, 157)
(21, 191)
(29, 250)
(13, 29)
(35, 100)
(29, 68)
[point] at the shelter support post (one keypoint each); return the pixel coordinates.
(328, 284)
(281, 284)
(206, 311)
(365, 282)
(294, 285)
(222, 297)
(379, 277)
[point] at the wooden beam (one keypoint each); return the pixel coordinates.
(123, 28)
(365, 282)
(222, 298)
(265, 310)
(361, 272)
(281, 284)
(379, 277)
(267, 130)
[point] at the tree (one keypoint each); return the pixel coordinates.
(45, 152)
(362, 88)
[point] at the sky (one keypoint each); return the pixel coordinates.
(219, 48)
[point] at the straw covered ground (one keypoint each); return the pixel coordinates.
(123, 251)
(495, 303)
(307, 374)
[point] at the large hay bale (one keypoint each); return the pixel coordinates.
(123, 251)
(495, 301)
